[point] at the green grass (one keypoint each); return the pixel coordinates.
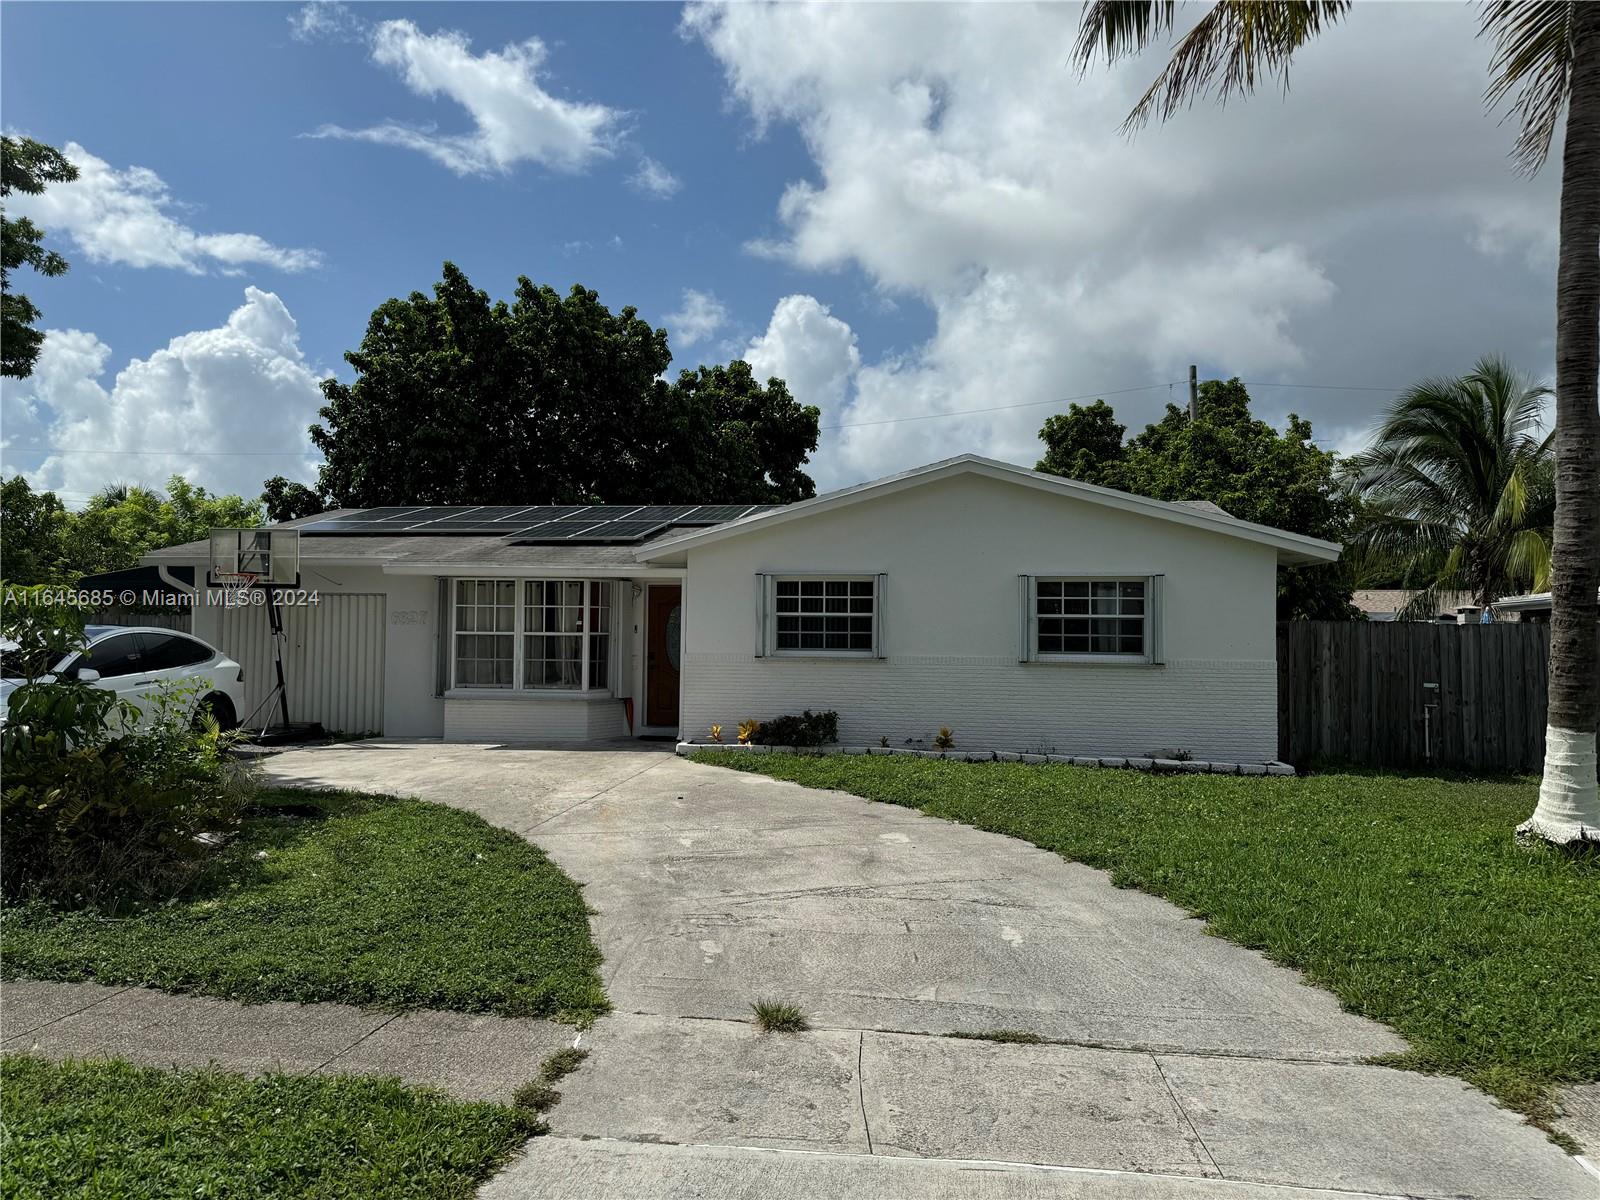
(362, 900)
(776, 1016)
(1404, 896)
(104, 1130)
(539, 1095)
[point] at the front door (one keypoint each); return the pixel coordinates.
(663, 646)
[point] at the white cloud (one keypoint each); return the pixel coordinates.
(1365, 229)
(815, 354)
(326, 20)
(699, 316)
(125, 217)
(514, 118)
(653, 178)
(211, 406)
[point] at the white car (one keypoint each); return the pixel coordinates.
(135, 663)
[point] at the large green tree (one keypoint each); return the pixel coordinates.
(121, 523)
(548, 399)
(32, 534)
(1546, 66)
(26, 166)
(1225, 455)
(1458, 487)
(1084, 443)
(287, 500)
(41, 541)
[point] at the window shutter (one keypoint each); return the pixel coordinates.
(442, 637)
(1027, 641)
(1158, 619)
(761, 616)
(880, 605)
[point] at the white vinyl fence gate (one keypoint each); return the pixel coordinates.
(332, 660)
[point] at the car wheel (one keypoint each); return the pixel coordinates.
(220, 709)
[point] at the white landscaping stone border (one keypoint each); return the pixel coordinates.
(1169, 765)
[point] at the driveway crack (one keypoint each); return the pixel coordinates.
(1187, 1120)
(861, 1088)
(588, 799)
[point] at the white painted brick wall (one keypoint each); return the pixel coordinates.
(1221, 709)
(525, 720)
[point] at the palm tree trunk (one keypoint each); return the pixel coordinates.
(1569, 808)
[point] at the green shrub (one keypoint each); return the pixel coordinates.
(100, 806)
(99, 816)
(808, 729)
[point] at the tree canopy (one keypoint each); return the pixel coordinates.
(1241, 464)
(548, 399)
(286, 500)
(26, 166)
(43, 542)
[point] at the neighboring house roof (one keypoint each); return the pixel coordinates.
(1533, 602)
(1387, 601)
(1291, 547)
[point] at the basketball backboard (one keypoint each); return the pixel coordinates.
(261, 556)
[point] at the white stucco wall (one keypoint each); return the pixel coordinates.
(952, 551)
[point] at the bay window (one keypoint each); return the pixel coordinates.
(545, 634)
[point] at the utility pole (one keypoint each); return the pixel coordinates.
(1194, 392)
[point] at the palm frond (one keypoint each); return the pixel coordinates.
(1226, 52)
(1528, 557)
(1120, 28)
(1532, 68)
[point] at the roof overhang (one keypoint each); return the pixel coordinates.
(1534, 602)
(524, 570)
(1293, 548)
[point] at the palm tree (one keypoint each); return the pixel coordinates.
(1457, 490)
(1547, 61)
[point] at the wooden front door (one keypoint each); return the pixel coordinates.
(663, 645)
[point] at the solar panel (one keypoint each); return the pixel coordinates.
(534, 523)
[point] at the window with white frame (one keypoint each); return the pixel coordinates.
(825, 615)
(1093, 618)
(562, 628)
(566, 634)
(485, 632)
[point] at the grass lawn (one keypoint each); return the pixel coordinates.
(108, 1129)
(340, 896)
(1405, 896)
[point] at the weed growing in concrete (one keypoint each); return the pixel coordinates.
(775, 1016)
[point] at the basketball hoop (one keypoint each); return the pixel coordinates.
(257, 563)
(247, 558)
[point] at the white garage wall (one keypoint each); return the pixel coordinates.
(342, 635)
(333, 661)
(952, 551)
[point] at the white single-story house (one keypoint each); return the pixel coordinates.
(1021, 610)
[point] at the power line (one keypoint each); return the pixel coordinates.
(1327, 387)
(967, 412)
(173, 453)
(933, 416)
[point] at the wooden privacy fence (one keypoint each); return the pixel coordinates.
(1409, 694)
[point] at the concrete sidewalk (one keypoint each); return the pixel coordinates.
(471, 1057)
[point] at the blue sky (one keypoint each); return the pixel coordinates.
(903, 210)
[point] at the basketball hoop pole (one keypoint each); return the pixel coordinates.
(275, 623)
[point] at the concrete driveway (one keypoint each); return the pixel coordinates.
(1188, 1067)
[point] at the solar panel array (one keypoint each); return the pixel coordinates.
(535, 524)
